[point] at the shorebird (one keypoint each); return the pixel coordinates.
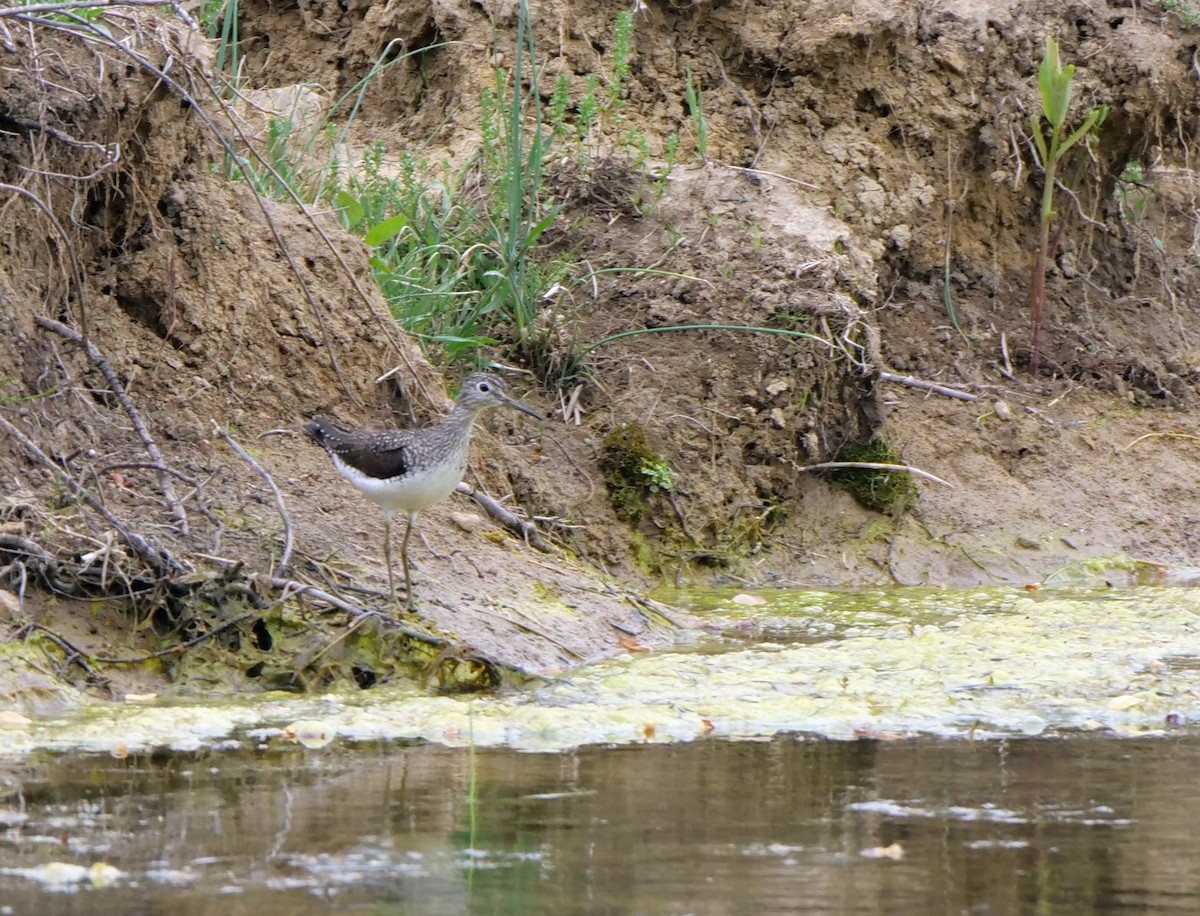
(409, 470)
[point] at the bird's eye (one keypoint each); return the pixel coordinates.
(484, 387)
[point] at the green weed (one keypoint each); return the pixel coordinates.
(1131, 192)
(1054, 86)
(1188, 17)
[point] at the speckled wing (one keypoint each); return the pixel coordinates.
(383, 456)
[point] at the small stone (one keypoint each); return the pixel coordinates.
(1124, 702)
(748, 600)
(467, 521)
(1002, 410)
(10, 605)
(1028, 543)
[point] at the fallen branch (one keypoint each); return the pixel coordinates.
(303, 588)
(873, 466)
(74, 654)
(525, 530)
(910, 382)
(286, 559)
(97, 358)
(159, 559)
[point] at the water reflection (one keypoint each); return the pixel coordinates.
(1074, 825)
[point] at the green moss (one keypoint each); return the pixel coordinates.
(633, 471)
(889, 492)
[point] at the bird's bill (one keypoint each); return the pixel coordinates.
(521, 407)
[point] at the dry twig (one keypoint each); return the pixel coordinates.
(286, 558)
(873, 466)
(160, 466)
(523, 529)
(161, 560)
(909, 382)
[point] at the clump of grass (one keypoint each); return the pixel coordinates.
(459, 254)
(1054, 87)
(886, 492)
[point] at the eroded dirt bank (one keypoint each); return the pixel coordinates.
(858, 154)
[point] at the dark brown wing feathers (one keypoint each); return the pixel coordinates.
(378, 455)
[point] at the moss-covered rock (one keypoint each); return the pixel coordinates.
(889, 492)
(633, 471)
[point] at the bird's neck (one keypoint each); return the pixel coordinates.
(461, 417)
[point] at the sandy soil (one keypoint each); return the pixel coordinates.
(857, 153)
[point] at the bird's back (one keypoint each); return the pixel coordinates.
(400, 470)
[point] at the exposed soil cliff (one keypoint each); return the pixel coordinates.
(861, 159)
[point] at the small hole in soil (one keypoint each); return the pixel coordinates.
(143, 308)
(363, 677)
(262, 636)
(255, 670)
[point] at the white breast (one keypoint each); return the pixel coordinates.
(414, 491)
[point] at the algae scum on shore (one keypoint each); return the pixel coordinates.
(839, 665)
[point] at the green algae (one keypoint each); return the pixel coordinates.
(979, 663)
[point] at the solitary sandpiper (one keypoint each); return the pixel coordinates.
(409, 470)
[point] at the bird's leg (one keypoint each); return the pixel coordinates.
(387, 553)
(404, 559)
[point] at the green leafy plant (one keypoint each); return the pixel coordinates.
(1131, 192)
(1188, 17)
(633, 471)
(621, 53)
(659, 474)
(1054, 86)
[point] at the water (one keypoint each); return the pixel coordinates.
(1077, 825)
(906, 752)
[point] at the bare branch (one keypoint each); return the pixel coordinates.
(873, 466)
(97, 358)
(161, 560)
(527, 531)
(909, 382)
(286, 558)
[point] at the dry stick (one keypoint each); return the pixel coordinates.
(873, 466)
(910, 382)
(162, 561)
(97, 358)
(523, 529)
(286, 558)
(74, 653)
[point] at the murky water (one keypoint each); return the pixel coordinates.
(1070, 826)
(873, 753)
